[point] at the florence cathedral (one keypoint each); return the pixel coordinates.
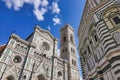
(36, 58)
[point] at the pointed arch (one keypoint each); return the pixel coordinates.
(10, 77)
(111, 16)
(110, 11)
(40, 77)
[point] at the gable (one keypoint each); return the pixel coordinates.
(44, 33)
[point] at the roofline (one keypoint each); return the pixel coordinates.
(40, 29)
(67, 25)
(82, 17)
(29, 36)
(2, 45)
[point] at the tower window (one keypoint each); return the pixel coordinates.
(64, 38)
(73, 51)
(66, 50)
(71, 38)
(116, 20)
(63, 50)
(74, 62)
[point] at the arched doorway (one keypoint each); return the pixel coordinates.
(10, 78)
(40, 77)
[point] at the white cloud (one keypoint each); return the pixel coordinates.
(40, 8)
(17, 4)
(36, 4)
(44, 3)
(28, 1)
(9, 3)
(43, 10)
(56, 20)
(55, 8)
(38, 14)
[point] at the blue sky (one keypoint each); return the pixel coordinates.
(21, 16)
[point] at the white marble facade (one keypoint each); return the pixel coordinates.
(35, 58)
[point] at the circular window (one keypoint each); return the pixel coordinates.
(45, 46)
(17, 59)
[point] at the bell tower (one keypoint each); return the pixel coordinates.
(68, 51)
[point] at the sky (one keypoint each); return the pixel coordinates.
(21, 16)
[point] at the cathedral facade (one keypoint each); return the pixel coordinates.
(99, 40)
(36, 58)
